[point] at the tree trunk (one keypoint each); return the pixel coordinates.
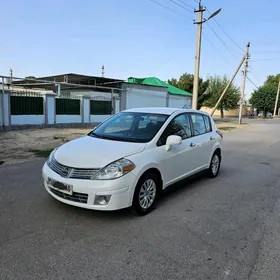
(264, 113)
(222, 113)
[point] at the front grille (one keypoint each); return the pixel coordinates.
(73, 173)
(77, 197)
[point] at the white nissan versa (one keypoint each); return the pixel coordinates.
(128, 159)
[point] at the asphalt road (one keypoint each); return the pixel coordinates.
(224, 228)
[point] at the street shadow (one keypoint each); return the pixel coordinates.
(188, 184)
(85, 214)
(125, 215)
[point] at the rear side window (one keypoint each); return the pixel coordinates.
(207, 123)
(199, 126)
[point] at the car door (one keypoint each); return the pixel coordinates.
(179, 161)
(203, 138)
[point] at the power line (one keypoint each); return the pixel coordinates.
(265, 59)
(212, 45)
(226, 33)
(223, 42)
(181, 6)
(167, 8)
(186, 4)
(252, 82)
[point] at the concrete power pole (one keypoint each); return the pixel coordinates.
(102, 71)
(199, 23)
(276, 101)
(244, 82)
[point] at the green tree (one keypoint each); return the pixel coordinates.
(185, 82)
(30, 77)
(215, 88)
(264, 97)
(272, 80)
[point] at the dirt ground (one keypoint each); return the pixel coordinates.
(19, 146)
(16, 146)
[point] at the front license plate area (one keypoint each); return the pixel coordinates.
(65, 188)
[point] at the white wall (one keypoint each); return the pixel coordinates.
(68, 119)
(1, 109)
(99, 118)
(137, 98)
(93, 94)
(51, 109)
(27, 119)
(117, 106)
(6, 109)
(178, 101)
(86, 110)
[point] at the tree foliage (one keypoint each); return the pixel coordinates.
(185, 82)
(263, 98)
(30, 77)
(215, 88)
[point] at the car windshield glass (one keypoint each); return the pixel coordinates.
(130, 127)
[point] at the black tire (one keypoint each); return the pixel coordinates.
(146, 179)
(214, 167)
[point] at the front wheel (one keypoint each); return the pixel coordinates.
(145, 194)
(215, 164)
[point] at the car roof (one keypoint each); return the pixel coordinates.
(162, 110)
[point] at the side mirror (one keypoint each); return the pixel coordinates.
(173, 140)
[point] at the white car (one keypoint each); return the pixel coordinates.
(131, 157)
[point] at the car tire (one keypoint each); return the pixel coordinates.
(215, 165)
(146, 194)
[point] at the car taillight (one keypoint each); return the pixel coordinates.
(220, 133)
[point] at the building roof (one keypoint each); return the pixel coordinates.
(69, 81)
(153, 81)
(80, 79)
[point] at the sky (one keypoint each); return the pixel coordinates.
(138, 38)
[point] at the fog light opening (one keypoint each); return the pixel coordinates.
(102, 199)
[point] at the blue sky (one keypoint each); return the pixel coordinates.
(136, 38)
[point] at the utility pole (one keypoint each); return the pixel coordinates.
(276, 101)
(102, 71)
(11, 74)
(244, 82)
(199, 22)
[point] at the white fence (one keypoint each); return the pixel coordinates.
(51, 112)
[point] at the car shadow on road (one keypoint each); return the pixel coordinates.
(82, 213)
(127, 214)
(189, 184)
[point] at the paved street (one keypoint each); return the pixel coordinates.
(224, 228)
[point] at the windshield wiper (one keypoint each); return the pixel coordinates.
(96, 135)
(121, 139)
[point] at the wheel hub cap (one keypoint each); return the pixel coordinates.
(215, 164)
(147, 194)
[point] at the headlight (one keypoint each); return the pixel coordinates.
(51, 156)
(114, 170)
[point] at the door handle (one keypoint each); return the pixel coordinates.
(192, 144)
(212, 138)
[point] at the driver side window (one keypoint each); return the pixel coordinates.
(180, 126)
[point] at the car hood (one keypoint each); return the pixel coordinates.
(90, 152)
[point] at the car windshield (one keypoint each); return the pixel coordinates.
(130, 127)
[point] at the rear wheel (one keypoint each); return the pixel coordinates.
(146, 194)
(215, 164)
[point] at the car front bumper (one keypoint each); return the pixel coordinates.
(85, 192)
